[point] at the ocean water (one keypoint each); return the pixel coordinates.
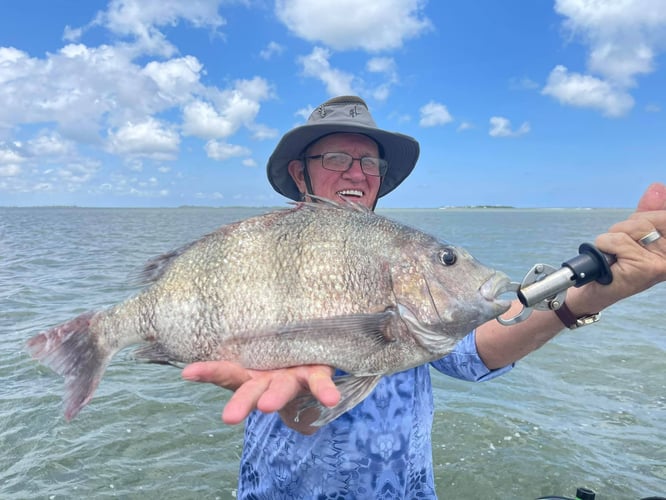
(588, 409)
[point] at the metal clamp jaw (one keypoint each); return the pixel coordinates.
(544, 287)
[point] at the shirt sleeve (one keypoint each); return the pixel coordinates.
(465, 363)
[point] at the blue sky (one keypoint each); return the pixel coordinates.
(167, 102)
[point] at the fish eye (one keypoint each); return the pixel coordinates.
(447, 256)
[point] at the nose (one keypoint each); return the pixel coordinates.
(355, 171)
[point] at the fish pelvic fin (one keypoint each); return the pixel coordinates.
(352, 389)
(72, 352)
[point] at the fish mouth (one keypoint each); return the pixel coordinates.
(495, 286)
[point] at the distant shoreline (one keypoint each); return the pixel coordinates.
(474, 207)
(288, 204)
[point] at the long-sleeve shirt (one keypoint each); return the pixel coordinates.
(381, 448)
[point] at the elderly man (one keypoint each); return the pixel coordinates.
(381, 448)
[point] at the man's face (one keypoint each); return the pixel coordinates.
(354, 184)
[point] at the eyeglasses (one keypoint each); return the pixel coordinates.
(341, 162)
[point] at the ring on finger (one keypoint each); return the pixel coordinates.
(651, 237)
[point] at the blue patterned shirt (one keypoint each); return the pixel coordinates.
(379, 449)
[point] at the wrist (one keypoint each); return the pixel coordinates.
(573, 321)
(579, 309)
(585, 300)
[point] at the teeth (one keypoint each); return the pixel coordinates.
(350, 192)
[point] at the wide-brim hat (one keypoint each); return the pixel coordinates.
(347, 114)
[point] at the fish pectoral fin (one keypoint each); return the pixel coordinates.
(338, 341)
(155, 353)
(352, 389)
(375, 327)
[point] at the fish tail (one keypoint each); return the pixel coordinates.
(72, 351)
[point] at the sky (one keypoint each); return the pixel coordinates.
(165, 103)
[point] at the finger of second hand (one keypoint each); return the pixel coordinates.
(244, 400)
(222, 373)
(323, 388)
(283, 387)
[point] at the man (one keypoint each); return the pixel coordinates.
(381, 448)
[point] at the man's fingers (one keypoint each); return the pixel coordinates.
(267, 391)
(654, 198)
(223, 373)
(244, 400)
(323, 388)
(284, 386)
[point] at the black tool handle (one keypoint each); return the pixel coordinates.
(591, 264)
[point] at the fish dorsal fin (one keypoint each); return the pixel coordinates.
(324, 203)
(155, 268)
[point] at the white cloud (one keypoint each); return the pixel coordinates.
(624, 36)
(202, 120)
(222, 151)
(50, 145)
(150, 138)
(78, 88)
(102, 100)
(228, 111)
(501, 127)
(9, 170)
(350, 24)
(75, 174)
(176, 79)
(304, 113)
(316, 65)
(132, 96)
(433, 114)
(140, 21)
(523, 83)
(262, 132)
(624, 39)
(272, 49)
(10, 154)
(587, 91)
(386, 67)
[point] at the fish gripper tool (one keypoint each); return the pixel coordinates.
(544, 287)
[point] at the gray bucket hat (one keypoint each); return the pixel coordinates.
(347, 114)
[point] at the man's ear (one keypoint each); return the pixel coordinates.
(295, 169)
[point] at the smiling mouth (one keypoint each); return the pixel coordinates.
(353, 193)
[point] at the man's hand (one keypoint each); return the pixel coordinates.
(638, 267)
(267, 391)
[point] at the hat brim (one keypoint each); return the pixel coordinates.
(400, 151)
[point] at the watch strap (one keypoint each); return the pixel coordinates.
(572, 321)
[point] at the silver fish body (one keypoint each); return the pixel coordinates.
(321, 283)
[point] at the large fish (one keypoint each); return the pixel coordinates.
(321, 283)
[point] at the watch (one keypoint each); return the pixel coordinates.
(571, 321)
